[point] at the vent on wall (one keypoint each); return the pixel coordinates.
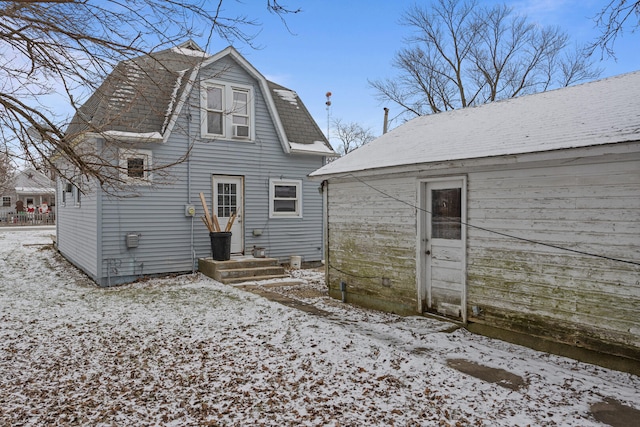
(133, 239)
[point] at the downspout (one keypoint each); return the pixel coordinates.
(325, 228)
(189, 147)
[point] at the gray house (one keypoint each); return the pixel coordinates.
(245, 142)
(28, 191)
(520, 215)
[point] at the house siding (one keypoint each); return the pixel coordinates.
(590, 203)
(76, 229)
(570, 297)
(156, 213)
(371, 243)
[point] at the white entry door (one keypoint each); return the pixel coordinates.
(228, 199)
(443, 247)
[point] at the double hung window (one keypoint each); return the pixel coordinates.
(285, 198)
(227, 111)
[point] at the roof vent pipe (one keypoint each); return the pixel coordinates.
(386, 120)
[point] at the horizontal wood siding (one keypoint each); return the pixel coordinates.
(591, 205)
(372, 241)
(570, 297)
(157, 213)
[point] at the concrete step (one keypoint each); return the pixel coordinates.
(241, 269)
(240, 262)
(237, 273)
(251, 279)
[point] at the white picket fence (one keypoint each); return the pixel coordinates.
(26, 218)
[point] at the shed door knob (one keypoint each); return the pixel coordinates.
(428, 252)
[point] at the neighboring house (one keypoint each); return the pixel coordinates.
(249, 145)
(34, 190)
(522, 214)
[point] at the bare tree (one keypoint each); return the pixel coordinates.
(611, 20)
(462, 54)
(351, 135)
(60, 51)
(7, 171)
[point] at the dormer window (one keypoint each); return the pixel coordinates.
(227, 111)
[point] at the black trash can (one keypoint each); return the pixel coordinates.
(221, 245)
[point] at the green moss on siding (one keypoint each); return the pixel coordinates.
(564, 298)
(377, 272)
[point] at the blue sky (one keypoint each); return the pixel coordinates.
(337, 45)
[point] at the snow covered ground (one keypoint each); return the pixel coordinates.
(190, 351)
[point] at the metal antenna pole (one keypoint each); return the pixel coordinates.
(328, 104)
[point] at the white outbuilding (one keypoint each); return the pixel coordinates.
(520, 215)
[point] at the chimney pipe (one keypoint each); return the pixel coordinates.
(386, 120)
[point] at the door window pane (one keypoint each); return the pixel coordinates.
(446, 212)
(227, 200)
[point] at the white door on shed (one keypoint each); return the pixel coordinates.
(443, 247)
(228, 199)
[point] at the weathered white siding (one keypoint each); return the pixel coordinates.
(589, 202)
(573, 297)
(157, 213)
(371, 242)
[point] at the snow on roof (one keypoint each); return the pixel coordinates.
(596, 113)
(127, 88)
(35, 190)
(287, 95)
(173, 100)
(317, 147)
(134, 136)
(190, 52)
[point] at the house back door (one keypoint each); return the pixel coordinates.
(443, 247)
(227, 199)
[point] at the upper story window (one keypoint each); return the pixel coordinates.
(227, 111)
(6, 201)
(135, 165)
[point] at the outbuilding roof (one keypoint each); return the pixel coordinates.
(601, 112)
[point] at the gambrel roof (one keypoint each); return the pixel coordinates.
(596, 113)
(141, 98)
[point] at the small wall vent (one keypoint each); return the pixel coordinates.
(133, 239)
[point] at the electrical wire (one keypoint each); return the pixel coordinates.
(498, 232)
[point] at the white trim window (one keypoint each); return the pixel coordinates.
(6, 201)
(135, 165)
(227, 111)
(285, 198)
(71, 194)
